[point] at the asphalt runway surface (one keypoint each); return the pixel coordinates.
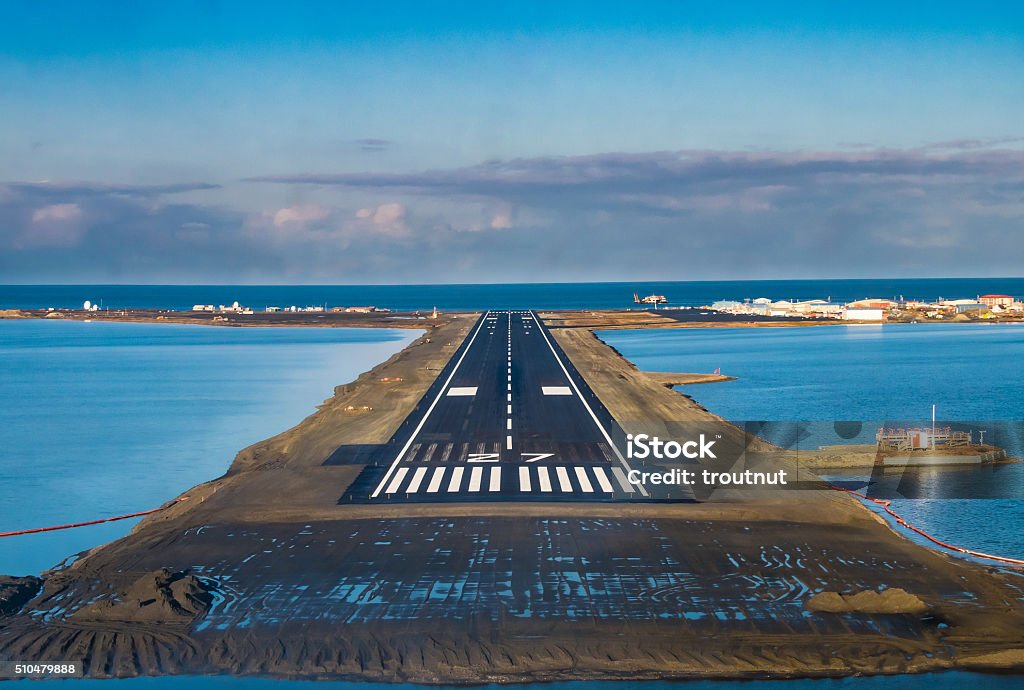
(508, 419)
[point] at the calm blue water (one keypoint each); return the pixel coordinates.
(886, 374)
(863, 372)
(514, 296)
(102, 419)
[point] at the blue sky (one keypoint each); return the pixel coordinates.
(347, 142)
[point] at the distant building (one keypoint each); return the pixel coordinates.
(996, 300)
(967, 305)
(202, 307)
(863, 314)
(871, 303)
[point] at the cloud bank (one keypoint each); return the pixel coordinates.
(950, 208)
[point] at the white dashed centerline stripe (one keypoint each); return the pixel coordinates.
(430, 409)
(508, 424)
(593, 416)
(508, 443)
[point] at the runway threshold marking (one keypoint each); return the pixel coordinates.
(620, 477)
(417, 479)
(555, 390)
(576, 481)
(543, 479)
(412, 437)
(464, 390)
(563, 479)
(602, 479)
(585, 485)
(397, 481)
(475, 478)
(579, 396)
(524, 479)
(456, 481)
(435, 480)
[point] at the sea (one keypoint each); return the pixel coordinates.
(103, 419)
(100, 419)
(495, 296)
(839, 384)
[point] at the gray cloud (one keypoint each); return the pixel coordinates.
(955, 208)
(373, 145)
(80, 189)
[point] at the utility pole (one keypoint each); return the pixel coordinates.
(933, 426)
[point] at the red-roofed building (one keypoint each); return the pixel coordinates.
(996, 300)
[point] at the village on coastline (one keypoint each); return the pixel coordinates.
(991, 306)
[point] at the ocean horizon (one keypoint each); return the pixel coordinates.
(455, 297)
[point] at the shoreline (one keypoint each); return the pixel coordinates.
(590, 319)
(282, 483)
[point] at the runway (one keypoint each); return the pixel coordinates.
(508, 419)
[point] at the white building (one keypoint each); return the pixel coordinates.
(863, 314)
